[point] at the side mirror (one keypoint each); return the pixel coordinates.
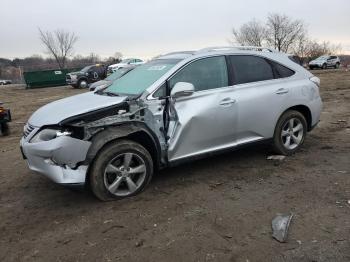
(181, 89)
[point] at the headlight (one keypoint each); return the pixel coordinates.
(49, 134)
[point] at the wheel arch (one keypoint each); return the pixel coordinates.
(305, 111)
(83, 78)
(136, 132)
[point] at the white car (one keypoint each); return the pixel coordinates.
(179, 107)
(125, 63)
(324, 62)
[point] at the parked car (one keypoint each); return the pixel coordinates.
(5, 117)
(125, 63)
(110, 79)
(324, 62)
(5, 82)
(173, 109)
(86, 76)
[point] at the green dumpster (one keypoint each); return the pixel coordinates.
(45, 78)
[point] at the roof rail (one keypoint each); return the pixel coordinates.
(180, 52)
(247, 48)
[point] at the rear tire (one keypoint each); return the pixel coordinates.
(289, 133)
(121, 169)
(337, 65)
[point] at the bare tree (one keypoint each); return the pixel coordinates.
(316, 49)
(252, 33)
(59, 44)
(118, 56)
(301, 48)
(283, 32)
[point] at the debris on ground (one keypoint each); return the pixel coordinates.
(215, 185)
(139, 243)
(280, 225)
(276, 157)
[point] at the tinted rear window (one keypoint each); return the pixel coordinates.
(282, 71)
(247, 69)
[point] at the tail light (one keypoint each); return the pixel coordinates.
(315, 80)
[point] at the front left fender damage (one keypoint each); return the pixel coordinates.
(123, 120)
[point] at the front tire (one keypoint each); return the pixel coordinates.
(289, 133)
(83, 84)
(324, 66)
(121, 169)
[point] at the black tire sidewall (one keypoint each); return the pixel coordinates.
(79, 83)
(96, 173)
(277, 139)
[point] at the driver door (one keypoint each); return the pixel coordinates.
(206, 120)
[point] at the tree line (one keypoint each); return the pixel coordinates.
(284, 34)
(279, 31)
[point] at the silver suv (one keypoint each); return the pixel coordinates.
(324, 62)
(178, 107)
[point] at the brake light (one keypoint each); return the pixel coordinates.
(315, 80)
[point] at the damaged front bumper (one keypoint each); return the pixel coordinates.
(58, 159)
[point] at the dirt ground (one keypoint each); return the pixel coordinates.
(217, 209)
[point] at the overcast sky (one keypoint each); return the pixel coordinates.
(145, 28)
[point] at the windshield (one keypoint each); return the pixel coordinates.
(322, 57)
(85, 69)
(117, 74)
(142, 77)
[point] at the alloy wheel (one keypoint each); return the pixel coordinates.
(125, 174)
(292, 133)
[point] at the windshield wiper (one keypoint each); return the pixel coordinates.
(107, 93)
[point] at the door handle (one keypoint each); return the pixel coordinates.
(282, 91)
(227, 101)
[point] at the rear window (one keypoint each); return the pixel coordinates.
(295, 59)
(247, 69)
(282, 71)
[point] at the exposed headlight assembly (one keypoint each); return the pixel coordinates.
(48, 134)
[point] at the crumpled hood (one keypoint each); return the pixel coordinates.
(59, 110)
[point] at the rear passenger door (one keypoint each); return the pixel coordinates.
(260, 92)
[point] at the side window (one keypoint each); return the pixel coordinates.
(281, 71)
(161, 92)
(204, 74)
(247, 69)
